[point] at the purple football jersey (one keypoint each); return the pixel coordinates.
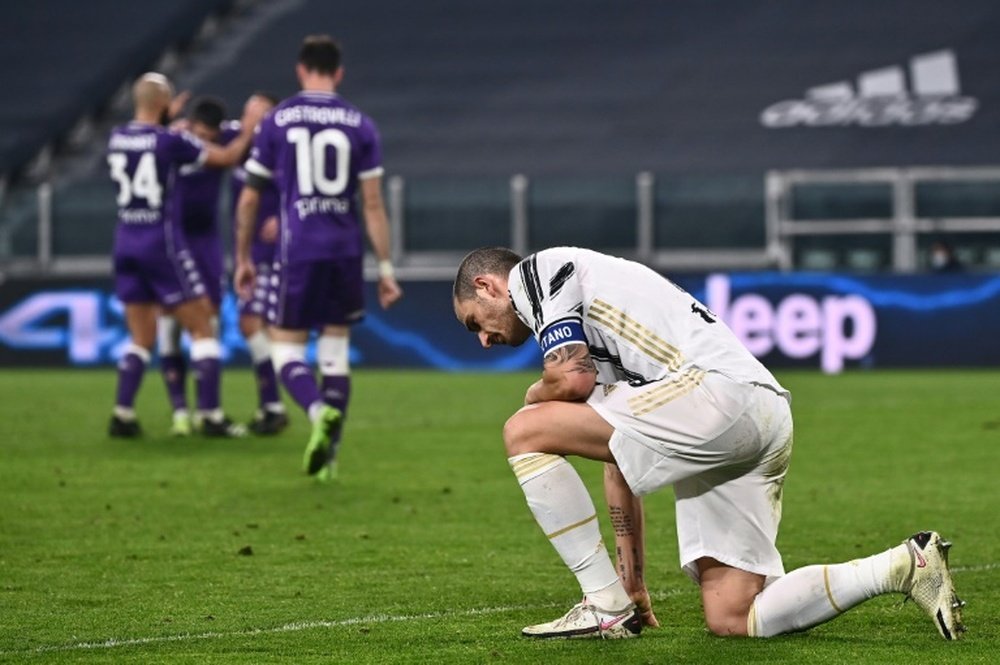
(198, 191)
(144, 161)
(317, 147)
(151, 258)
(260, 252)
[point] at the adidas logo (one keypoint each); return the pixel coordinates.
(881, 98)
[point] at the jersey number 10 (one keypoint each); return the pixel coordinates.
(310, 160)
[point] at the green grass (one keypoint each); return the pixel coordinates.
(425, 551)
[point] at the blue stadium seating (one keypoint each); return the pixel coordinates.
(62, 60)
(579, 95)
(598, 87)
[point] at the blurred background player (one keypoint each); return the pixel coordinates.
(321, 151)
(197, 192)
(270, 417)
(153, 266)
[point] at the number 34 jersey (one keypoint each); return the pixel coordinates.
(317, 147)
(144, 162)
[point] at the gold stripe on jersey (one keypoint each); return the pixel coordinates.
(529, 465)
(664, 392)
(620, 323)
(559, 532)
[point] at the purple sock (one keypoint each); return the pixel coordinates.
(130, 370)
(267, 383)
(174, 371)
(300, 383)
(207, 373)
(337, 393)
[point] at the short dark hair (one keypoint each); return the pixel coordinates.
(209, 111)
(319, 53)
(483, 261)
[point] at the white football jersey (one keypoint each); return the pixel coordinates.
(639, 326)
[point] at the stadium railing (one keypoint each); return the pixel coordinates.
(866, 220)
(882, 219)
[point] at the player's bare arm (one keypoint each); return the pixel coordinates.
(625, 511)
(377, 227)
(177, 105)
(568, 375)
(246, 214)
(221, 157)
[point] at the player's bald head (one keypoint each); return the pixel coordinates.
(483, 261)
(152, 91)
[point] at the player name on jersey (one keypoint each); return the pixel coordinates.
(133, 143)
(320, 115)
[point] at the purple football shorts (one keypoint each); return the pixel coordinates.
(305, 295)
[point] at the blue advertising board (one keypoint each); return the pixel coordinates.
(825, 321)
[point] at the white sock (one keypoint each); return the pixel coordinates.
(812, 595)
(259, 346)
(215, 415)
(315, 409)
(168, 336)
(124, 413)
(205, 348)
(333, 355)
(562, 507)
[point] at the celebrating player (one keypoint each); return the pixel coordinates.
(196, 194)
(640, 375)
(322, 151)
(270, 417)
(153, 266)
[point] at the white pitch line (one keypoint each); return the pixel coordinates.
(114, 642)
(296, 626)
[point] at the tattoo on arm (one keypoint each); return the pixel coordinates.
(621, 521)
(573, 358)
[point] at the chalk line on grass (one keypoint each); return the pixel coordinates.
(296, 626)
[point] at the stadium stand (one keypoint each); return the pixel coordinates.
(583, 95)
(63, 61)
(591, 87)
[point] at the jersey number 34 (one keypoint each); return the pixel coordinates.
(143, 184)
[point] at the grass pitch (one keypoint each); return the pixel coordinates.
(164, 550)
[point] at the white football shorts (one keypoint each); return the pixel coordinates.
(725, 448)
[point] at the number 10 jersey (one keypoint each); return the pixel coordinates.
(317, 147)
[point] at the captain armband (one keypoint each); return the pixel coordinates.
(561, 333)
